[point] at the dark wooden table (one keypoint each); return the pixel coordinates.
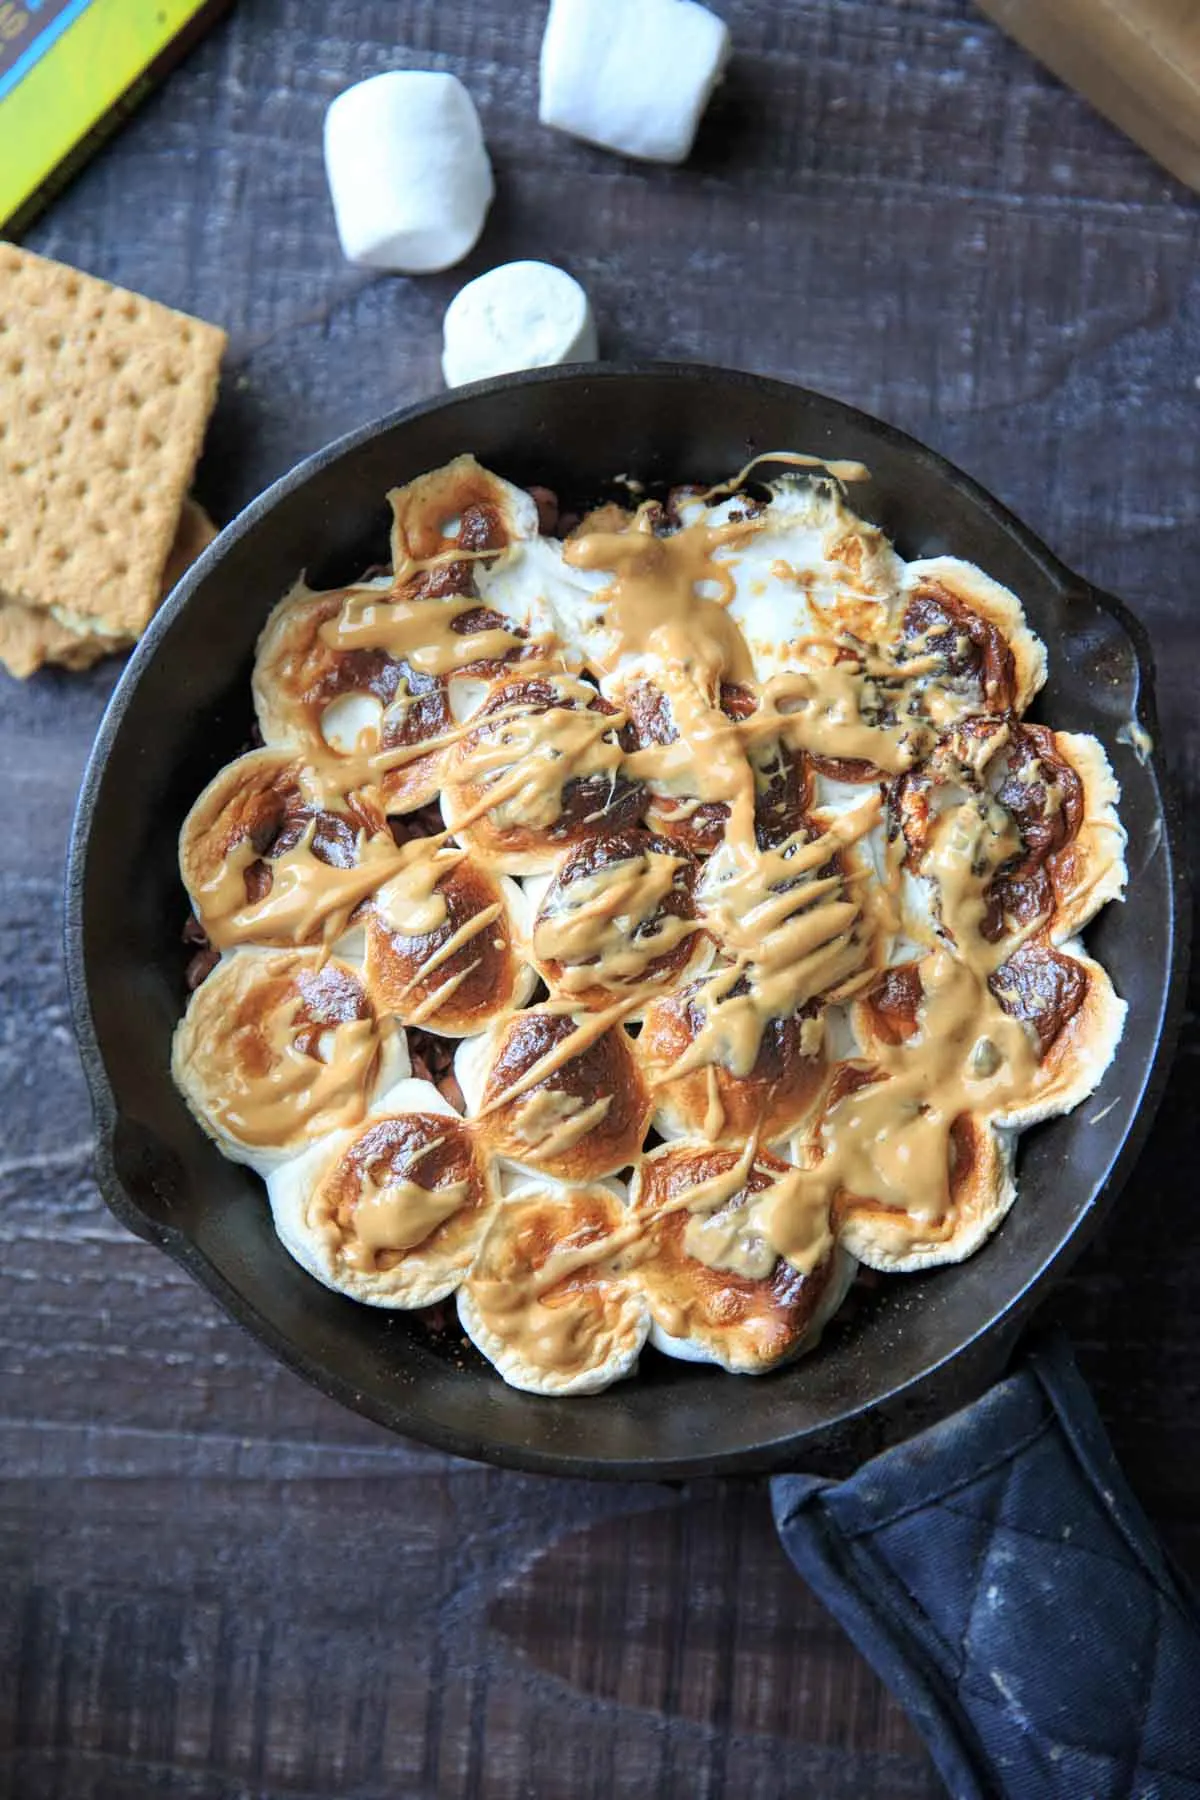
(214, 1583)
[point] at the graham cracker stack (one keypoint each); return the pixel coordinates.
(104, 401)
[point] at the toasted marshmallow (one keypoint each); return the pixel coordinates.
(460, 506)
(408, 172)
(713, 1102)
(393, 1212)
(946, 601)
(1090, 869)
(1068, 1001)
(618, 919)
(280, 1048)
(554, 1093)
(523, 315)
(899, 1240)
(445, 944)
(546, 746)
(266, 861)
(531, 583)
(813, 570)
(631, 75)
(717, 1289)
(548, 1301)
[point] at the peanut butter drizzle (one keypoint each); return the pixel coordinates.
(398, 1215)
(412, 905)
(890, 1142)
(564, 1334)
(789, 940)
(586, 1032)
(297, 1092)
(309, 899)
(567, 1260)
(729, 1240)
(589, 929)
(659, 609)
(793, 1217)
(654, 612)
(552, 1122)
(470, 928)
(848, 472)
(714, 1110)
(733, 1237)
(821, 711)
(524, 759)
(418, 632)
(558, 1333)
(341, 772)
(434, 1002)
(523, 769)
(568, 1332)
(717, 1235)
(411, 902)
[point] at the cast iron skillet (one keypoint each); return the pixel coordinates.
(182, 708)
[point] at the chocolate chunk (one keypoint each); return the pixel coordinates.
(200, 967)
(546, 501)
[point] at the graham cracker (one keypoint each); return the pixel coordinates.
(194, 532)
(106, 396)
(30, 638)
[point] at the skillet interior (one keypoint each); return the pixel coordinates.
(183, 708)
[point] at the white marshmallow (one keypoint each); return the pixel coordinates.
(523, 315)
(631, 75)
(408, 171)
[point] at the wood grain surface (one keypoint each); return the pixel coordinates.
(214, 1583)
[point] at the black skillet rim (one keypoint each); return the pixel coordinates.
(397, 1416)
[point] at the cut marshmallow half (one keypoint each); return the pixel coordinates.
(523, 315)
(408, 172)
(631, 75)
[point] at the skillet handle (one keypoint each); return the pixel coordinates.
(1000, 1576)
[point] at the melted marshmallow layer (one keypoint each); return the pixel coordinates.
(631, 924)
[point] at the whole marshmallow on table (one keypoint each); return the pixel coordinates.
(408, 171)
(523, 315)
(632, 75)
